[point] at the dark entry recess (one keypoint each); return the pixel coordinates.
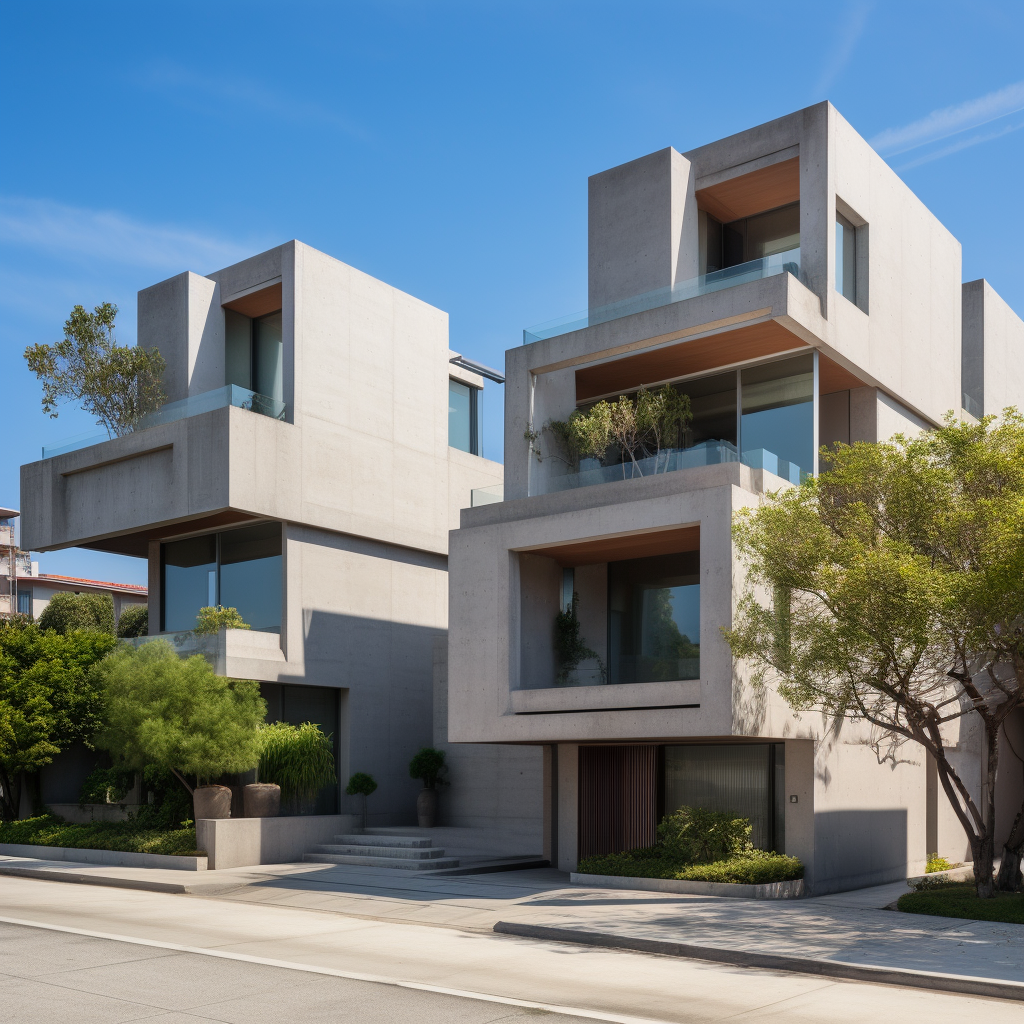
(618, 798)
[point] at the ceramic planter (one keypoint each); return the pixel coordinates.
(212, 802)
(426, 808)
(262, 800)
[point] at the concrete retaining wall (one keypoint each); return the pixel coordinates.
(768, 891)
(240, 842)
(115, 858)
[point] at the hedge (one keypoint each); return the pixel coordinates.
(124, 836)
(754, 867)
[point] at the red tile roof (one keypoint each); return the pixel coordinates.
(134, 587)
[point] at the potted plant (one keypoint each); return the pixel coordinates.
(362, 785)
(295, 763)
(429, 766)
(179, 715)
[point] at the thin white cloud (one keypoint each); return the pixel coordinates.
(941, 124)
(852, 29)
(109, 236)
(245, 91)
(973, 140)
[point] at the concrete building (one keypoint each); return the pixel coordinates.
(317, 445)
(791, 285)
(30, 590)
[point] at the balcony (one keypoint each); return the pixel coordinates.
(230, 395)
(236, 653)
(787, 262)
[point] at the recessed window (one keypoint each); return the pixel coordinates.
(463, 417)
(846, 258)
(237, 569)
(24, 600)
(254, 353)
(654, 619)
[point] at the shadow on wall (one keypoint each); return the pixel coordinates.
(385, 672)
(854, 849)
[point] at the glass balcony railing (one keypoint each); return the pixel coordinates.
(669, 460)
(787, 262)
(486, 495)
(194, 405)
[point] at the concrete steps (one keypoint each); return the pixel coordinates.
(411, 853)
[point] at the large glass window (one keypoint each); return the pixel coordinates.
(778, 416)
(463, 417)
(654, 619)
(237, 569)
(745, 779)
(753, 238)
(846, 258)
(254, 353)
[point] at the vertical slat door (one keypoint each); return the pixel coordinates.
(618, 797)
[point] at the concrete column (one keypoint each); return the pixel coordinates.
(153, 582)
(550, 790)
(800, 815)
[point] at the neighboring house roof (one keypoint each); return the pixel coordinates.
(130, 588)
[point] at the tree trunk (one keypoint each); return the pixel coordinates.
(11, 795)
(1009, 878)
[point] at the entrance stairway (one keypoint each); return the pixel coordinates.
(412, 853)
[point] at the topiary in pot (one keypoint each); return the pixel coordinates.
(361, 784)
(295, 760)
(429, 766)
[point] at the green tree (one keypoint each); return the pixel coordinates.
(897, 597)
(428, 765)
(177, 714)
(66, 612)
(118, 384)
(134, 621)
(47, 699)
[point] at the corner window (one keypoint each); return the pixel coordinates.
(654, 619)
(237, 569)
(463, 417)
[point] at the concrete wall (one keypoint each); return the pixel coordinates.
(240, 842)
(993, 349)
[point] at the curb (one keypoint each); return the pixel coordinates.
(822, 968)
(52, 875)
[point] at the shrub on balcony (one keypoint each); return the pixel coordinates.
(177, 714)
(212, 620)
(570, 647)
(118, 384)
(67, 612)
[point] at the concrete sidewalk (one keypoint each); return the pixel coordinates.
(838, 929)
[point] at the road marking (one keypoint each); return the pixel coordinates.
(569, 1011)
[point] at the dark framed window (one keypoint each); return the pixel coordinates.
(463, 417)
(236, 568)
(254, 353)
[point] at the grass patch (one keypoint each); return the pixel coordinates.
(753, 867)
(960, 900)
(124, 836)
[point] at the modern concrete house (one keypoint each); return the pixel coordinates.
(316, 448)
(790, 284)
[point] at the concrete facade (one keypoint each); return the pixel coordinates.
(358, 472)
(886, 357)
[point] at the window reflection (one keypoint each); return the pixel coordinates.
(778, 415)
(654, 619)
(463, 417)
(237, 569)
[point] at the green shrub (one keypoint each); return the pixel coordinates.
(126, 836)
(695, 835)
(67, 612)
(107, 785)
(134, 621)
(937, 863)
(212, 620)
(298, 758)
(753, 867)
(429, 766)
(361, 784)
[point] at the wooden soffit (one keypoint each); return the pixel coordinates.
(688, 357)
(832, 377)
(258, 303)
(616, 549)
(743, 196)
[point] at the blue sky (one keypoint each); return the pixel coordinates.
(442, 147)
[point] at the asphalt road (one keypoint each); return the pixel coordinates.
(71, 953)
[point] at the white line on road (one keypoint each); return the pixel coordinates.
(569, 1011)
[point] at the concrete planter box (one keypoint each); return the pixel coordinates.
(85, 814)
(768, 891)
(242, 842)
(964, 873)
(113, 858)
